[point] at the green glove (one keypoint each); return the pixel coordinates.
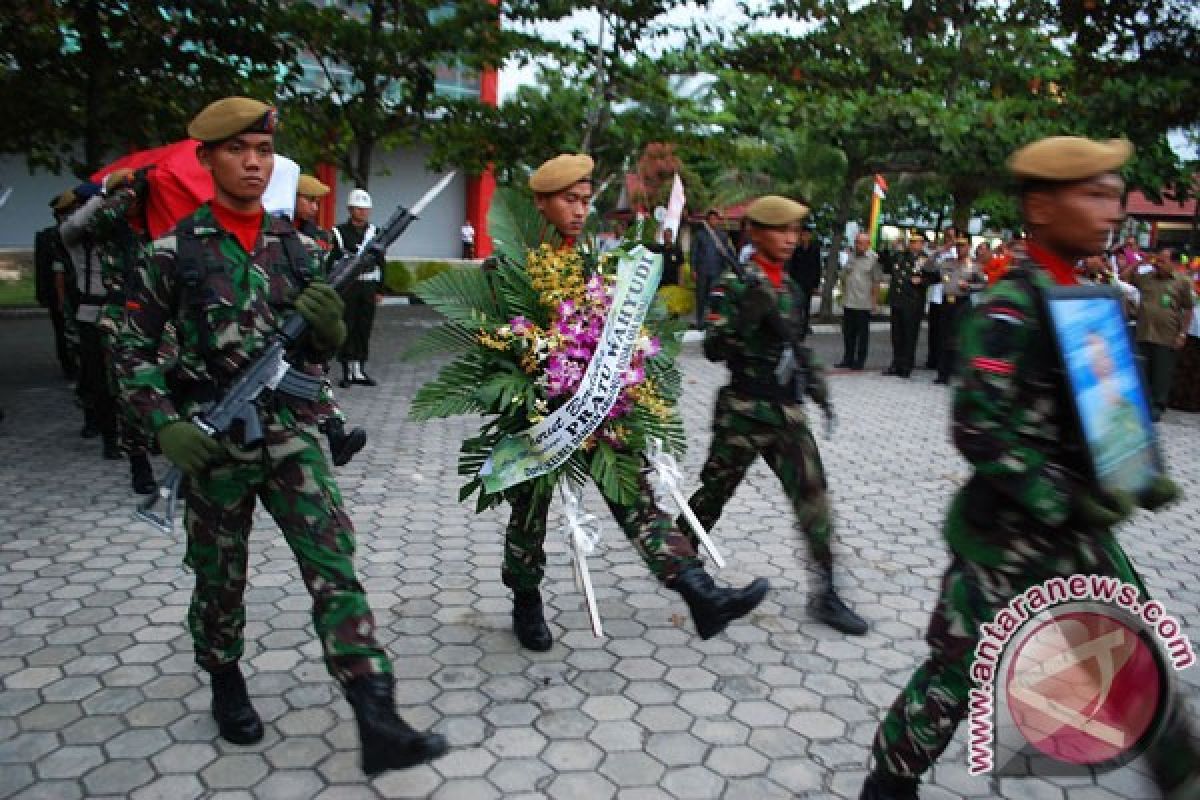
(1163, 491)
(187, 447)
(1104, 509)
(322, 307)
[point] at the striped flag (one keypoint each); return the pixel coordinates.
(879, 192)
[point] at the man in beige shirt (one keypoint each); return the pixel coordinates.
(1164, 315)
(860, 296)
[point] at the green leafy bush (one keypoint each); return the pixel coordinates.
(398, 278)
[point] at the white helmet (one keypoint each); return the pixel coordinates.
(358, 199)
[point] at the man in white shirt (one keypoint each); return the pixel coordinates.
(468, 239)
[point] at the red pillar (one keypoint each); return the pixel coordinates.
(480, 188)
(327, 216)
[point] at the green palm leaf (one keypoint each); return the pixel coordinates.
(464, 296)
(448, 339)
(514, 224)
(453, 392)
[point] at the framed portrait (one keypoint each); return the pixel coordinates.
(1110, 400)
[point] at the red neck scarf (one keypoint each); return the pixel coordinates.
(244, 227)
(772, 269)
(1058, 269)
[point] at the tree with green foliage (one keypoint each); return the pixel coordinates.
(84, 81)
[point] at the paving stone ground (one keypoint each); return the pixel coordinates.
(101, 698)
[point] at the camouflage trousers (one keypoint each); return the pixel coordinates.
(791, 453)
(132, 436)
(922, 721)
(288, 473)
(666, 550)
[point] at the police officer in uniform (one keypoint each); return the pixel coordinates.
(562, 189)
(342, 446)
(1029, 512)
(906, 296)
(961, 279)
(226, 277)
(750, 325)
(348, 238)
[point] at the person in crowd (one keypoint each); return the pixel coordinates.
(860, 280)
(937, 293)
(906, 297)
(711, 249)
(804, 268)
(467, 236)
(362, 295)
(50, 281)
(1163, 320)
(962, 279)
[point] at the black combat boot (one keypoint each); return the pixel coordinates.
(345, 381)
(387, 741)
(529, 622)
(236, 718)
(827, 607)
(90, 429)
(343, 446)
(712, 607)
(879, 785)
(142, 474)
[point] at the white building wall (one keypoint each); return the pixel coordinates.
(400, 177)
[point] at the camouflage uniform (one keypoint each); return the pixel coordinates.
(653, 533)
(223, 320)
(1012, 526)
(327, 405)
(755, 415)
(118, 248)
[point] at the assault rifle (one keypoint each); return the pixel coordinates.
(271, 370)
(793, 365)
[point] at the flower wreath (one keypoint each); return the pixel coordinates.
(522, 334)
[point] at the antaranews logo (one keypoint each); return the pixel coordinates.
(1074, 674)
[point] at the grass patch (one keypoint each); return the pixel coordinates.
(17, 294)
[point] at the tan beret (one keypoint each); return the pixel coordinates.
(1069, 158)
(775, 210)
(64, 201)
(231, 116)
(308, 186)
(561, 172)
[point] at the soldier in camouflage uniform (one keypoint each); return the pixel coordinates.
(342, 446)
(227, 276)
(750, 325)
(563, 190)
(118, 245)
(906, 296)
(1028, 512)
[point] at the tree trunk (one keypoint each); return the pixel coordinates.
(964, 195)
(94, 46)
(845, 204)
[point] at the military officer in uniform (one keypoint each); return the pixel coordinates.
(562, 189)
(227, 276)
(961, 279)
(342, 446)
(750, 325)
(1029, 512)
(361, 295)
(906, 296)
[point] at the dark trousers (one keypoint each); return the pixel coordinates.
(803, 301)
(856, 335)
(704, 285)
(951, 314)
(360, 318)
(66, 359)
(906, 327)
(468, 249)
(935, 335)
(1158, 364)
(94, 391)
